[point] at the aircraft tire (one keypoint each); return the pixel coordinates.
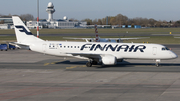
(88, 64)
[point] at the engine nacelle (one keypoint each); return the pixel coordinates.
(109, 60)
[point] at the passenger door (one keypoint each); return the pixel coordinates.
(44, 48)
(154, 51)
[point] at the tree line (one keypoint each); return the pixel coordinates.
(117, 20)
(120, 20)
(24, 17)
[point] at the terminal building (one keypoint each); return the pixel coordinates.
(59, 23)
(6, 23)
(55, 23)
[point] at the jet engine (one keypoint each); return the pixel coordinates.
(109, 60)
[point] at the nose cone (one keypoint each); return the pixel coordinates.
(174, 55)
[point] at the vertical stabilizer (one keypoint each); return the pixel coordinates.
(23, 34)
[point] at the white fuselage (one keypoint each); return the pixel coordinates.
(119, 50)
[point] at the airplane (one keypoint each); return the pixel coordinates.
(98, 39)
(103, 52)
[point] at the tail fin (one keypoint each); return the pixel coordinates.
(23, 35)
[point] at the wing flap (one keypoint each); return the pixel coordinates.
(87, 55)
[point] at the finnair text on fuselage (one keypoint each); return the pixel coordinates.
(106, 47)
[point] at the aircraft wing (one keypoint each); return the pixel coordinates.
(92, 56)
(87, 55)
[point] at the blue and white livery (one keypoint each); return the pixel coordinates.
(103, 52)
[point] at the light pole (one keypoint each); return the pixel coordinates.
(38, 18)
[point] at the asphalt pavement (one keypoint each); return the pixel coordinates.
(31, 76)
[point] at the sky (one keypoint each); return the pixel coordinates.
(95, 9)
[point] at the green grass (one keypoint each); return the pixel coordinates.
(86, 31)
(158, 40)
(7, 38)
(152, 39)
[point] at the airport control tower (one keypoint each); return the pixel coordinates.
(50, 10)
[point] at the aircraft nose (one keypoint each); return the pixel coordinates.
(174, 55)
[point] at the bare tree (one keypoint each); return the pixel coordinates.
(95, 21)
(89, 21)
(152, 22)
(121, 19)
(27, 17)
(99, 22)
(112, 21)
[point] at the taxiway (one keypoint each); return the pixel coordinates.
(27, 76)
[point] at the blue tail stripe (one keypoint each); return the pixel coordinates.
(23, 30)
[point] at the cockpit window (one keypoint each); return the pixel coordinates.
(165, 48)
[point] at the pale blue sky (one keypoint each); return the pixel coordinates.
(81, 9)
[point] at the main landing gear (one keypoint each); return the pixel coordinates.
(90, 63)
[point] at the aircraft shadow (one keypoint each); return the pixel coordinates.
(119, 64)
(70, 62)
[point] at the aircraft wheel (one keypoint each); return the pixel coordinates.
(157, 64)
(88, 64)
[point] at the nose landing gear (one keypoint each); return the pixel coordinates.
(157, 62)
